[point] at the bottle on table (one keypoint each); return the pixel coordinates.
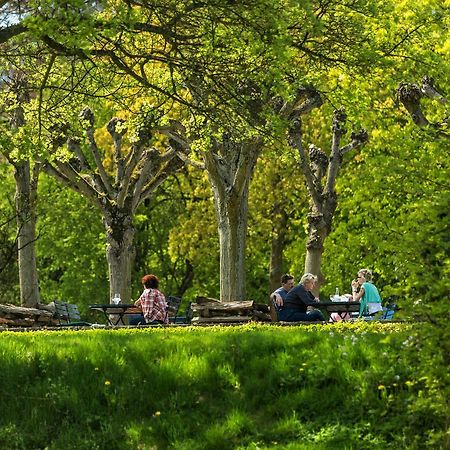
(336, 294)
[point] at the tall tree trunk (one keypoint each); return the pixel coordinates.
(120, 253)
(233, 214)
(319, 227)
(25, 199)
(230, 167)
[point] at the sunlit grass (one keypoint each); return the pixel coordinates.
(255, 386)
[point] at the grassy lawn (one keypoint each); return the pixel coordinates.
(349, 386)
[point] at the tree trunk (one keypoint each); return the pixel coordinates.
(230, 167)
(233, 213)
(120, 254)
(319, 227)
(26, 185)
(314, 250)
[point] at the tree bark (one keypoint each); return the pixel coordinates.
(25, 199)
(233, 214)
(230, 166)
(120, 253)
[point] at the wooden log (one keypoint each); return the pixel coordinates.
(228, 319)
(22, 311)
(202, 300)
(232, 306)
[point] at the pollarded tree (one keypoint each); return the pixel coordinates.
(137, 172)
(320, 171)
(411, 95)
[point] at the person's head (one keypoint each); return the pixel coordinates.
(308, 281)
(364, 275)
(150, 281)
(287, 282)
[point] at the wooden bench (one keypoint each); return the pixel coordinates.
(68, 315)
(173, 307)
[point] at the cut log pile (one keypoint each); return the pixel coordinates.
(18, 316)
(211, 310)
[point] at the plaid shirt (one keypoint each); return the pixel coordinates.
(153, 305)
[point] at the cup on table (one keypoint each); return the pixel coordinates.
(116, 299)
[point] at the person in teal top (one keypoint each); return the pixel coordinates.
(367, 294)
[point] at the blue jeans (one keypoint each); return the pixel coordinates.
(138, 319)
(294, 315)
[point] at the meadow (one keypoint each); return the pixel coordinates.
(335, 386)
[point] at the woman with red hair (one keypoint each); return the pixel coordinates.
(152, 303)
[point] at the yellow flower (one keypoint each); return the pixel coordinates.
(157, 413)
(381, 387)
(107, 382)
(409, 383)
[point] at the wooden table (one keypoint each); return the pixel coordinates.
(341, 308)
(114, 313)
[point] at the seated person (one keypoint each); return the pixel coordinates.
(368, 294)
(152, 302)
(279, 295)
(297, 301)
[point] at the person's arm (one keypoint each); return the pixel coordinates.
(277, 298)
(357, 296)
(137, 303)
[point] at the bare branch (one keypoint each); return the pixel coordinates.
(410, 95)
(88, 116)
(295, 141)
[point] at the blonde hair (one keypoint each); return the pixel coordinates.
(308, 277)
(366, 273)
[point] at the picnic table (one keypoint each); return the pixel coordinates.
(114, 313)
(341, 308)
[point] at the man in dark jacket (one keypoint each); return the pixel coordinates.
(295, 308)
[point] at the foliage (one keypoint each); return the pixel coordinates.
(9, 292)
(256, 386)
(70, 247)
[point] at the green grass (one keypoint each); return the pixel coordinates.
(344, 386)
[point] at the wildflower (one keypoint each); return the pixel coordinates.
(409, 383)
(157, 414)
(381, 387)
(107, 382)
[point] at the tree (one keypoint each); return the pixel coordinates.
(138, 172)
(320, 172)
(410, 95)
(26, 176)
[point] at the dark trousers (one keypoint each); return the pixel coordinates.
(138, 319)
(294, 315)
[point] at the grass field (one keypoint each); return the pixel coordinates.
(341, 386)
